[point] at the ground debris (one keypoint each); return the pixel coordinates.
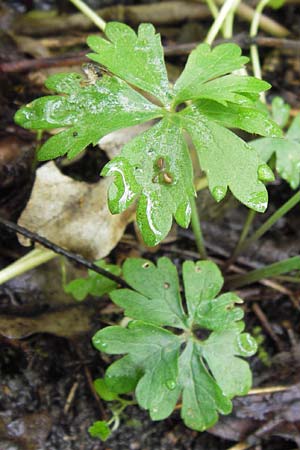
(263, 415)
(27, 432)
(73, 214)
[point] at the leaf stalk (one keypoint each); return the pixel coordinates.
(197, 230)
(88, 12)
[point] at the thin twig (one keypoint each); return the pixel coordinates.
(72, 59)
(240, 446)
(71, 397)
(266, 325)
(34, 237)
(89, 380)
(267, 390)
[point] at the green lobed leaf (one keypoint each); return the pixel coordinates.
(287, 151)
(156, 351)
(123, 375)
(202, 398)
(227, 160)
(280, 111)
(155, 166)
(201, 282)
(221, 351)
(248, 118)
(164, 365)
(94, 284)
(240, 89)
(104, 391)
(205, 64)
(90, 111)
(161, 306)
(136, 58)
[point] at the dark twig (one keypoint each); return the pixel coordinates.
(61, 251)
(27, 65)
(242, 39)
(71, 59)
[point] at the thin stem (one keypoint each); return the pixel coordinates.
(196, 226)
(228, 24)
(293, 201)
(88, 12)
(245, 231)
(33, 259)
(216, 26)
(213, 8)
(253, 48)
(201, 183)
(273, 270)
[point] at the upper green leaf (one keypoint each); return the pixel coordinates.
(89, 111)
(164, 365)
(136, 58)
(156, 166)
(286, 149)
(205, 64)
(237, 89)
(227, 168)
(245, 117)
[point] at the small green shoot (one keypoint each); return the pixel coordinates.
(103, 429)
(168, 354)
(100, 429)
(94, 284)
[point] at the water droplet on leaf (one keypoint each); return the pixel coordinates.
(171, 384)
(265, 173)
(219, 193)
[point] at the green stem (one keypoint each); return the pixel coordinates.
(289, 279)
(216, 26)
(293, 201)
(245, 231)
(228, 24)
(30, 261)
(253, 48)
(273, 270)
(213, 8)
(88, 12)
(196, 226)
(201, 183)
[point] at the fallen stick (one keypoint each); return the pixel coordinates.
(72, 59)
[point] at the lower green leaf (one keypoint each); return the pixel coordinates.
(202, 398)
(162, 365)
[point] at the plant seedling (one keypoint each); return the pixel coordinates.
(165, 354)
(188, 349)
(155, 168)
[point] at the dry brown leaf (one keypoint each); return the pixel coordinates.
(67, 323)
(73, 214)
